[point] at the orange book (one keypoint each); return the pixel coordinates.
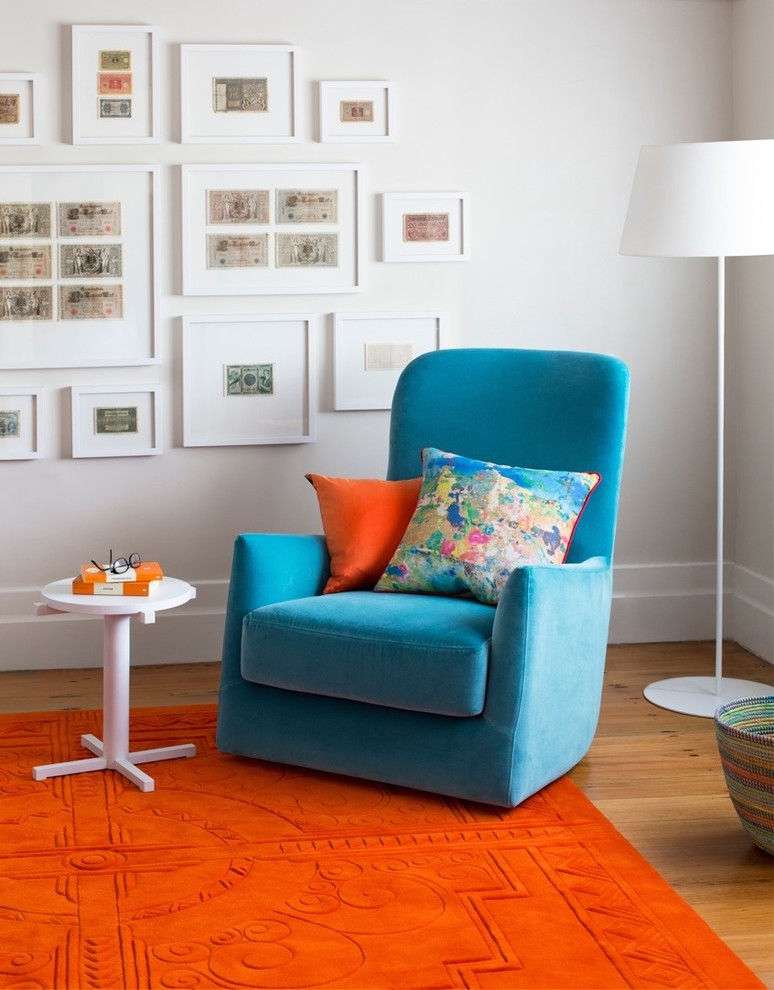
(148, 570)
(137, 588)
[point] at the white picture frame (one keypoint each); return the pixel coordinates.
(19, 108)
(248, 379)
(239, 94)
(371, 349)
(37, 328)
(432, 226)
(356, 112)
(238, 232)
(115, 420)
(115, 89)
(21, 423)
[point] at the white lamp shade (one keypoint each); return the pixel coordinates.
(711, 199)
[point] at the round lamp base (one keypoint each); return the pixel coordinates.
(696, 695)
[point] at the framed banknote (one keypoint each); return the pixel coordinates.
(77, 258)
(425, 227)
(21, 423)
(115, 92)
(238, 94)
(19, 108)
(270, 229)
(247, 380)
(371, 349)
(356, 112)
(115, 420)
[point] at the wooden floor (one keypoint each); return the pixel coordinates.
(655, 774)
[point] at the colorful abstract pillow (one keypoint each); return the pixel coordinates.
(475, 522)
(363, 520)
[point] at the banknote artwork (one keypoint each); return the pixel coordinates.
(10, 108)
(307, 250)
(240, 95)
(248, 379)
(91, 302)
(237, 206)
(112, 60)
(307, 206)
(356, 111)
(10, 424)
(425, 227)
(237, 251)
(89, 219)
(90, 261)
(109, 420)
(22, 304)
(19, 262)
(120, 109)
(25, 220)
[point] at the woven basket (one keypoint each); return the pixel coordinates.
(745, 734)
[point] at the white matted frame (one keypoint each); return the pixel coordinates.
(241, 238)
(371, 349)
(238, 94)
(247, 380)
(355, 112)
(115, 90)
(19, 102)
(46, 213)
(115, 420)
(21, 424)
(431, 226)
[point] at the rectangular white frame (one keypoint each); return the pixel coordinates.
(53, 343)
(26, 130)
(86, 442)
(198, 279)
(396, 205)
(334, 130)
(28, 445)
(142, 41)
(211, 418)
(355, 386)
(200, 123)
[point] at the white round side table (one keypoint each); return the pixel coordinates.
(112, 752)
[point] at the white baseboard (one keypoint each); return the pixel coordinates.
(651, 604)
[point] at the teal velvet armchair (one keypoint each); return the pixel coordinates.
(445, 694)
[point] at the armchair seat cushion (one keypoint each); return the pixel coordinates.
(413, 652)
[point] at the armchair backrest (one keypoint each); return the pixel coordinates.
(560, 410)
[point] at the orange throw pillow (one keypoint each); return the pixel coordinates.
(363, 520)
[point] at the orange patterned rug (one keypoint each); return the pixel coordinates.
(237, 873)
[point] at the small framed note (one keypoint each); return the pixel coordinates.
(19, 108)
(425, 227)
(21, 424)
(356, 112)
(115, 420)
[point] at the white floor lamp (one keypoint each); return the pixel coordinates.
(715, 200)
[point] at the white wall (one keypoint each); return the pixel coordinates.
(538, 109)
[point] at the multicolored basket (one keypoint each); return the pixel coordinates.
(745, 734)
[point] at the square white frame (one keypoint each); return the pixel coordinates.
(86, 442)
(28, 445)
(211, 418)
(334, 130)
(355, 385)
(198, 279)
(142, 126)
(200, 123)
(26, 130)
(396, 205)
(53, 343)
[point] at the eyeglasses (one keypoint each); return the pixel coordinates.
(120, 565)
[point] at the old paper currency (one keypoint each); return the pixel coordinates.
(18, 303)
(238, 251)
(115, 61)
(89, 219)
(240, 95)
(114, 83)
(90, 261)
(248, 379)
(387, 357)
(237, 206)
(91, 302)
(307, 250)
(25, 220)
(25, 262)
(425, 226)
(10, 108)
(115, 419)
(115, 109)
(10, 424)
(356, 111)
(307, 205)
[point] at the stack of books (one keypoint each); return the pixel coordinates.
(141, 580)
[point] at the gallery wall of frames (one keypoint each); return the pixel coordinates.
(79, 250)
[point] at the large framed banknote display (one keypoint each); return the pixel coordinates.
(238, 94)
(356, 112)
(115, 90)
(431, 226)
(77, 258)
(276, 229)
(371, 349)
(19, 108)
(248, 380)
(115, 420)
(21, 423)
